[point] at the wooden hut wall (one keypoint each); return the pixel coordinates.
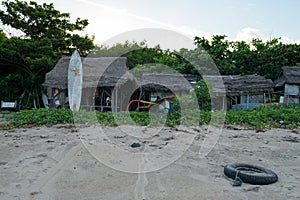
(291, 93)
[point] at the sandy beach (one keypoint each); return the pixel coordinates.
(64, 162)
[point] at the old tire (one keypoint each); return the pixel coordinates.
(250, 174)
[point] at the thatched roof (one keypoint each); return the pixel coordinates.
(163, 82)
(237, 85)
(104, 71)
(289, 75)
(111, 71)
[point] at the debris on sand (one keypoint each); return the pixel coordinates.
(135, 145)
(291, 139)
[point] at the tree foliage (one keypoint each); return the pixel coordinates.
(44, 21)
(137, 53)
(258, 57)
(47, 35)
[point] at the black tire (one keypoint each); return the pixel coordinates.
(243, 171)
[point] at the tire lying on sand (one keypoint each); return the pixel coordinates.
(250, 174)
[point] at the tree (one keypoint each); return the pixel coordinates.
(217, 48)
(2, 36)
(240, 60)
(258, 57)
(270, 56)
(137, 53)
(47, 35)
(44, 21)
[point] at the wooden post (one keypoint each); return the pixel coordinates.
(101, 99)
(247, 101)
(50, 96)
(116, 99)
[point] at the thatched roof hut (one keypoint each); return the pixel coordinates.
(289, 75)
(110, 77)
(111, 71)
(104, 71)
(165, 82)
(240, 85)
(288, 85)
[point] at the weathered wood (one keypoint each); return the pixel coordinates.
(239, 85)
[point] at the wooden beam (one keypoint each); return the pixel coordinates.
(247, 101)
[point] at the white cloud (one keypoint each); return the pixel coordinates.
(287, 40)
(247, 34)
(121, 20)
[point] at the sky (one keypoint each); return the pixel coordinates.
(238, 19)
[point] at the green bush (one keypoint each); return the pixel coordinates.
(264, 116)
(37, 117)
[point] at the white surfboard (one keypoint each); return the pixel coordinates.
(75, 81)
(45, 100)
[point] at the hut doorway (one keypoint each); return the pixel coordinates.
(103, 98)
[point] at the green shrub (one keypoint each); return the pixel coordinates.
(264, 116)
(37, 117)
